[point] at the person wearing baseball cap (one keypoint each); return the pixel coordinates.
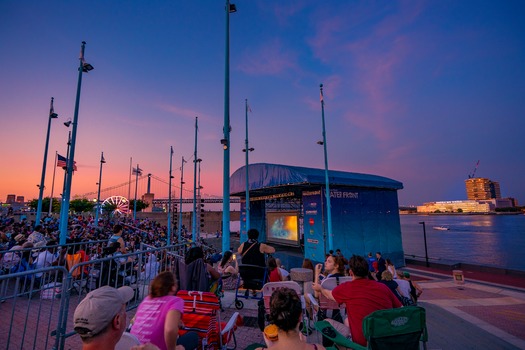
(100, 319)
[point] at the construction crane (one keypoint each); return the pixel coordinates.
(471, 176)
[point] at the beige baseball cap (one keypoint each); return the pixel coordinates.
(98, 308)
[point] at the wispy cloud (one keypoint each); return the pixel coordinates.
(270, 58)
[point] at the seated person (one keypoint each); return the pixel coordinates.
(285, 317)
(159, 316)
(100, 319)
(274, 274)
(252, 251)
(194, 261)
(284, 273)
(361, 297)
(229, 270)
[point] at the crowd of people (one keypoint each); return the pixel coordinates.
(375, 283)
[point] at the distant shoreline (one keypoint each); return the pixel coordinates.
(463, 214)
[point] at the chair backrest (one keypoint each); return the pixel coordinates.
(253, 276)
(127, 341)
(72, 260)
(201, 315)
(330, 283)
(399, 328)
(270, 287)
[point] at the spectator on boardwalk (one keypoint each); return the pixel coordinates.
(37, 235)
(381, 265)
(285, 318)
(100, 319)
(274, 274)
(44, 259)
(404, 287)
(229, 271)
(117, 236)
(390, 267)
(284, 273)
(252, 251)
(415, 289)
(159, 316)
(194, 261)
(387, 279)
(361, 297)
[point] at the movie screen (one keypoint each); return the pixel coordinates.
(282, 227)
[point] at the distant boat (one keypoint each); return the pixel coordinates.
(441, 228)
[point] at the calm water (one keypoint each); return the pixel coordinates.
(495, 240)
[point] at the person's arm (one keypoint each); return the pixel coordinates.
(215, 275)
(327, 293)
(239, 250)
(171, 328)
(265, 248)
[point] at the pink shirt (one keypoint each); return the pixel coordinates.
(151, 317)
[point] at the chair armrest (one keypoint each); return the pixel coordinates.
(231, 323)
(331, 333)
(313, 300)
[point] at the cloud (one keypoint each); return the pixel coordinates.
(271, 58)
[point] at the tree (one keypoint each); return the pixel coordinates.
(460, 210)
(140, 205)
(81, 205)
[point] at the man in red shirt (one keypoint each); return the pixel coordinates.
(361, 297)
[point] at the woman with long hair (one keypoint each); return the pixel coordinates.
(285, 319)
(229, 270)
(159, 316)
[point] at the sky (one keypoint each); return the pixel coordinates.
(416, 91)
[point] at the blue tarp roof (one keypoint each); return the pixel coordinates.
(267, 176)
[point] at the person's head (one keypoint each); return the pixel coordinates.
(253, 233)
(308, 264)
(102, 314)
(227, 257)
(272, 263)
(117, 229)
(193, 254)
(387, 276)
(370, 254)
(334, 264)
(163, 284)
(338, 252)
(358, 266)
(389, 262)
(378, 255)
(405, 275)
(285, 309)
(278, 262)
(38, 228)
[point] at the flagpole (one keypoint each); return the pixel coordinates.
(194, 221)
(247, 150)
(53, 185)
(136, 189)
(179, 229)
(169, 197)
(65, 174)
(327, 182)
(129, 182)
(102, 161)
(52, 115)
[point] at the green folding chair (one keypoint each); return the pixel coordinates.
(393, 329)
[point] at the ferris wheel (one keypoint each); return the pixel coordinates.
(118, 204)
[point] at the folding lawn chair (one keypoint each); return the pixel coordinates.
(393, 329)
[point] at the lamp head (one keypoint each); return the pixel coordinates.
(68, 123)
(320, 143)
(232, 8)
(86, 67)
(224, 143)
(53, 115)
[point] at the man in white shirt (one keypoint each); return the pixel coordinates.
(404, 286)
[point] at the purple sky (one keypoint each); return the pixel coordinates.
(417, 91)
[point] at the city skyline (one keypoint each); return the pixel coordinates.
(414, 91)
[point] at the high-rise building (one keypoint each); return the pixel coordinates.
(10, 198)
(20, 199)
(479, 188)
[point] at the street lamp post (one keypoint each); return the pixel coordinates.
(102, 161)
(169, 197)
(230, 8)
(247, 150)
(52, 115)
(194, 221)
(64, 214)
(327, 182)
(425, 239)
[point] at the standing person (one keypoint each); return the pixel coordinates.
(285, 318)
(381, 265)
(252, 251)
(100, 319)
(361, 297)
(159, 316)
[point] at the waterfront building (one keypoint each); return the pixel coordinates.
(465, 206)
(479, 188)
(10, 199)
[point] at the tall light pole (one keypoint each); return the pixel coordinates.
(169, 197)
(52, 115)
(52, 185)
(247, 150)
(194, 221)
(137, 173)
(327, 182)
(64, 213)
(102, 161)
(425, 239)
(180, 200)
(230, 8)
(199, 198)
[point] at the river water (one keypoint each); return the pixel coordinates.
(491, 240)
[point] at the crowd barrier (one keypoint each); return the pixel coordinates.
(37, 306)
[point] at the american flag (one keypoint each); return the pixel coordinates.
(137, 171)
(62, 162)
